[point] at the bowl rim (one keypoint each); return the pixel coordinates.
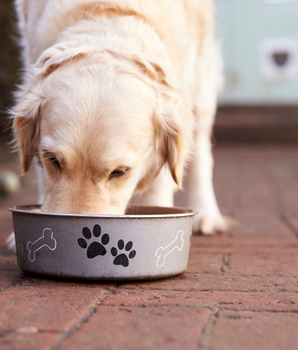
(174, 212)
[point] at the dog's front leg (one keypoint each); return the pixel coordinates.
(40, 184)
(201, 195)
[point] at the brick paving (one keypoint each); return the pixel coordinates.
(240, 290)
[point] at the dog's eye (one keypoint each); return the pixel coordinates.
(54, 161)
(51, 160)
(116, 173)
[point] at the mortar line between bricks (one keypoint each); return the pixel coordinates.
(78, 324)
(285, 220)
(226, 263)
(201, 306)
(205, 338)
(261, 311)
(141, 306)
(216, 290)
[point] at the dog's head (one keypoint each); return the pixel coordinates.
(100, 126)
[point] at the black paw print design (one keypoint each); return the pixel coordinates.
(95, 248)
(122, 259)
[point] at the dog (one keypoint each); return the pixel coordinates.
(118, 97)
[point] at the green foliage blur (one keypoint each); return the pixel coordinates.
(10, 64)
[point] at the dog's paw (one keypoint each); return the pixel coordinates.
(210, 224)
(10, 242)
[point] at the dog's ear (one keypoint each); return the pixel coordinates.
(174, 125)
(26, 122)
(26, 114)
(173, 120)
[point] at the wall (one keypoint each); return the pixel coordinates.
(259, 40)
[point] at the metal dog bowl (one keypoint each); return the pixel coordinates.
(146, 243)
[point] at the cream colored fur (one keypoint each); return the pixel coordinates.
(117, 96)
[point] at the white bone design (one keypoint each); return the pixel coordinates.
(162, 253)
(46, 240)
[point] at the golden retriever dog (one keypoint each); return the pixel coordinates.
(117, 96)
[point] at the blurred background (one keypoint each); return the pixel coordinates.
(259, 100)
(258, 103)
(10, 66)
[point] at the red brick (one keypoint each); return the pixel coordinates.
(265, 226)
(235, 241)
(23, 341)
(9, 260)
(47, 306)
(210, 260)
(140, 328)
(257, 331)
(265, 264)
(204, 262)
(216, 243)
